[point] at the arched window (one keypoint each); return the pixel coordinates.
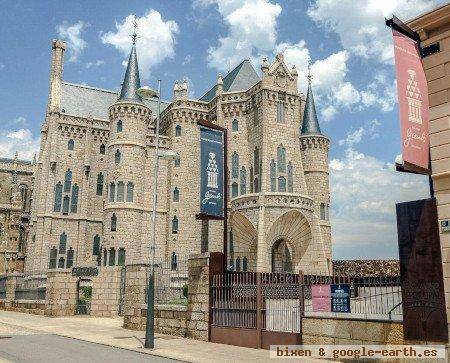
(178, 130)
(120, 191)
(235, 165)
(113, 222)
(280, 106)
(53, 256)
(100, 184)
(175, 224)
(23, 195)
(119, 126)
(256, 185)
(176, 195)
(234, 190)
(102, 149)
(177, 162)
(251, 179)
(281, 159)
(70, 253)
(238, 264)
(121, 257)
(61, 262)
(112, 256)
(58, 197)
(173, 262)
(322, 211)
(112, 192)
(235, 125)
(256, 161)
(70, 144)
(245, 264)
(130, 192)
(67, 181)
(290, 178)
(281, 184)
(66, 204)
(243, 181)
(96, 246)
(62, 243)
(273, 176)
(74, 205)
(117, 156)
(105, 256)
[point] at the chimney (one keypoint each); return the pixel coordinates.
(54, 97)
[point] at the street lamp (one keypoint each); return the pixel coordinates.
(147, 92)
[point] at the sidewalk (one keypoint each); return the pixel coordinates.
(109, 331)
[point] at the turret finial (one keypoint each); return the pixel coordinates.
(309, 76)
(135, 25)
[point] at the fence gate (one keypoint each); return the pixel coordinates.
(84, 296)
(255, 309)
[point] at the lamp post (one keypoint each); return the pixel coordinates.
(167, 155)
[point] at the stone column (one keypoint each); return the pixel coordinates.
(135, 311)
(61, 293)
(11, 283)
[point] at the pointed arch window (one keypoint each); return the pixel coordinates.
(322, 211)
(105, 256)
(53, 257)
(112, 256)
(256, 185)
(119, 126)
(117, 156)
(74, 205)
(62, 243)
(280, 107)
(273, 176)
(238, 264)
(130, 192)
(70, 144)
(66, 204)
(61, 262)
(243, 180)
(121, 257)
(176, 195)
(175, 224)
(113, 222)
(256, 161)
(290, 178)
(67, 181)
(235, 165)
(96, 246)
(178, 130)
(281, 184)
(100, 184)
(234, 190)
(251, 179)
(235, 125)
(120, 191)
(58, 197)
(245, 264)
(112, 192)
(102, 149)
(70, 253)
(281, 159)
(173, 262)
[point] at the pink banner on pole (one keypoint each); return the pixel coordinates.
(412, 92)
(321, 298)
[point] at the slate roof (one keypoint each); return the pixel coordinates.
(366, 268)
(12, 161)
(84, 101)
(240, 78)
(310, 125)
(131, 82)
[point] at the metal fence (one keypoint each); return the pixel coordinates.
(31, 286)
(171, 279)
(378, 297)
(3, 279)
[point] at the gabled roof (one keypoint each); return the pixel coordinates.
(310, 125)
(84, 101)
(240, 78)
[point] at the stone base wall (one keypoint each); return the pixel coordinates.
(36, 307)
(61, 295)
(348, 332)
(106, 292)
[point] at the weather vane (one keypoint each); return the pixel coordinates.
(135, 25)
(309, 76)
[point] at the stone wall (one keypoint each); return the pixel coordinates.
(61, 296)
(106, 291)
(348, 332)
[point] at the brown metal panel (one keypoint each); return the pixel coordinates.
(424, 312)
(242, 337)
(269, 338)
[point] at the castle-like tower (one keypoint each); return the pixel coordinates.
(94, 176)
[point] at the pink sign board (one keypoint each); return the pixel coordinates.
(321, 298)
(412, 91)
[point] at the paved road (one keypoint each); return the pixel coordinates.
(48, 348)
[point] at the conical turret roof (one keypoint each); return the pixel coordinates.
(310, 124)
(131, 82)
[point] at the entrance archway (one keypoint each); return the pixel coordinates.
(84, 296)
(281, 257)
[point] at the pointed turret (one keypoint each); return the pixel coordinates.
(131, 82)
(310, 125)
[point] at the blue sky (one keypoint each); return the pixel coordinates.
(346, 42)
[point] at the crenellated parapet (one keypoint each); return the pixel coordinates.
(314, 142)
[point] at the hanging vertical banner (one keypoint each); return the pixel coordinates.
(412, 92)
(211, 173)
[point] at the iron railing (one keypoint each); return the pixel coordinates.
(31, 286)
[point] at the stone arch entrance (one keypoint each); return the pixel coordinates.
(289, 238)
(243, 244)
(84, 296)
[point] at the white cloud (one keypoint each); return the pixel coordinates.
(72, 35)
(360, 24)
(97, 63)
(155, 43)
(20, 140)
(251, 31)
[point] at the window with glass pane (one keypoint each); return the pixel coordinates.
(58, 197)
(68, 181)
(105, 256)
(53, 257)
(256, 185)
(74, 205)
(244, 264)
(238, 264)
(176, 195)
(130, 191)
(234, 190)
(235, 165)
(119, 126)
(112, 192)
(178, 130)
(235, 125)
(173, 262)
(120, 191)
(322, 211)
(113, 222)
(70, 144)
(100, 184)
(281, 159)
(177, 162)
(121, 257)
(70, 253)
(112, 257)
(66, 204)
(251, 179)
(273, 176)
(96, 246)
(175, 225)
(243, 181)
(117, 156)
(62, 242)
(256, 161)
(102, 149)
(281, 184)
(61, 262)
(290, 176)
